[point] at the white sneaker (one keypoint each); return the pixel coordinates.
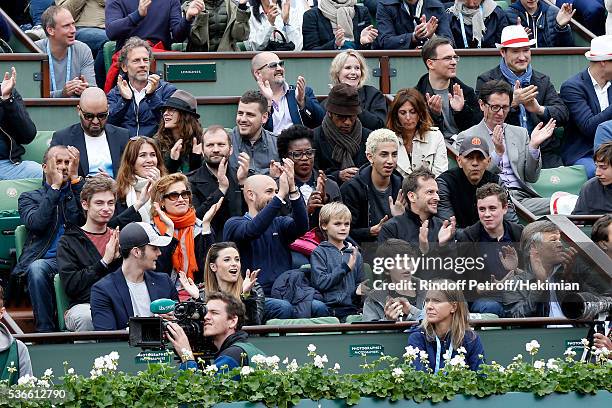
(36, 33)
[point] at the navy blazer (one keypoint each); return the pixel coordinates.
(73, 135)
(396, 26)
(319, 35)
(311, 116)
(111, 305)
(585, 114)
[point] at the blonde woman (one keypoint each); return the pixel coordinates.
(349, 67)
(445, 329)
(421, 144)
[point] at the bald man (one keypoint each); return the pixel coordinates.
(101, 144)
(288, 104)
(263, 235)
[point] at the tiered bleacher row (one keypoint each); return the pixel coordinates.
(283, 178)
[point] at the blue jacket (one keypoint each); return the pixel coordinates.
(318, 34)
(311, 116)
(547, 31)
(73, 135)
(264, 241)
(585, 115)
(294, 287)
(43, 212)
(494, 24)
(471, 342)
(396, 26)
(142, 119)
(330, 274)
(111, 304)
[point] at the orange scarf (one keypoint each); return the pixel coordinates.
(183, 231)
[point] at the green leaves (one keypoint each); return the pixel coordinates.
(283, 386)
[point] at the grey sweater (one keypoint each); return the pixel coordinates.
(6, 339)
(82, 64)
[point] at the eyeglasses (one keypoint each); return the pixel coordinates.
(272, 65)
(309, 154)
(174, 195)
(90, 116)
(497, 108)
(448, 58)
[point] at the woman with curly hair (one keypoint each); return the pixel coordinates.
(180, 133)
(421, 144)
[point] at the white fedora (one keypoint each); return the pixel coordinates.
(601, 49)
(514, 36)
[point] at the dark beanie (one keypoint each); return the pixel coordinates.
(343, 99)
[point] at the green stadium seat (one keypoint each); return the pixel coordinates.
(35, 150)
(354, 319)
(108, 50)
(565, 178)
(503, 4)
(178, 46)
(21, 234)
(10, 190)
(62, 302)
(294, 322)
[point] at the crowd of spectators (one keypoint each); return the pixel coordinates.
(140, 200)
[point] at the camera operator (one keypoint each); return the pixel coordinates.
(223, 324)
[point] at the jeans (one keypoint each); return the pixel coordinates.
(94, 38)
(487, 305)
(78, 318)
(277, 309)
(37, 7)
(589, 165)
(40, 286)
(319, 309)
(25, 169)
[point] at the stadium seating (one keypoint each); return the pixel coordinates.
(35, 150)
(61, 300)
(568, 178)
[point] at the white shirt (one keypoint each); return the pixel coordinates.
(281, 117)
(98, 154)
(139, 95)
(141, 302)
(601, 92)
(261, 31)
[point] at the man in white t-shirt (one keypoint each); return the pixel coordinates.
(101, 144)
(129, 291)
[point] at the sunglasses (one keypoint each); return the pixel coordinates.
(90, 116)
(273, 65)
(174, 195)
(309, 154)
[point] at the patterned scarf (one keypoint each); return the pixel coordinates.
(183, 258)
(525, 80)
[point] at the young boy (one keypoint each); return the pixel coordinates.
(337, 265)
(596, 194)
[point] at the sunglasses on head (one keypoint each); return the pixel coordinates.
(149, 139)
(174, 195)
(90, 116)
(273, 65)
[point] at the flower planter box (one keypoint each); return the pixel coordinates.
(509, 400)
